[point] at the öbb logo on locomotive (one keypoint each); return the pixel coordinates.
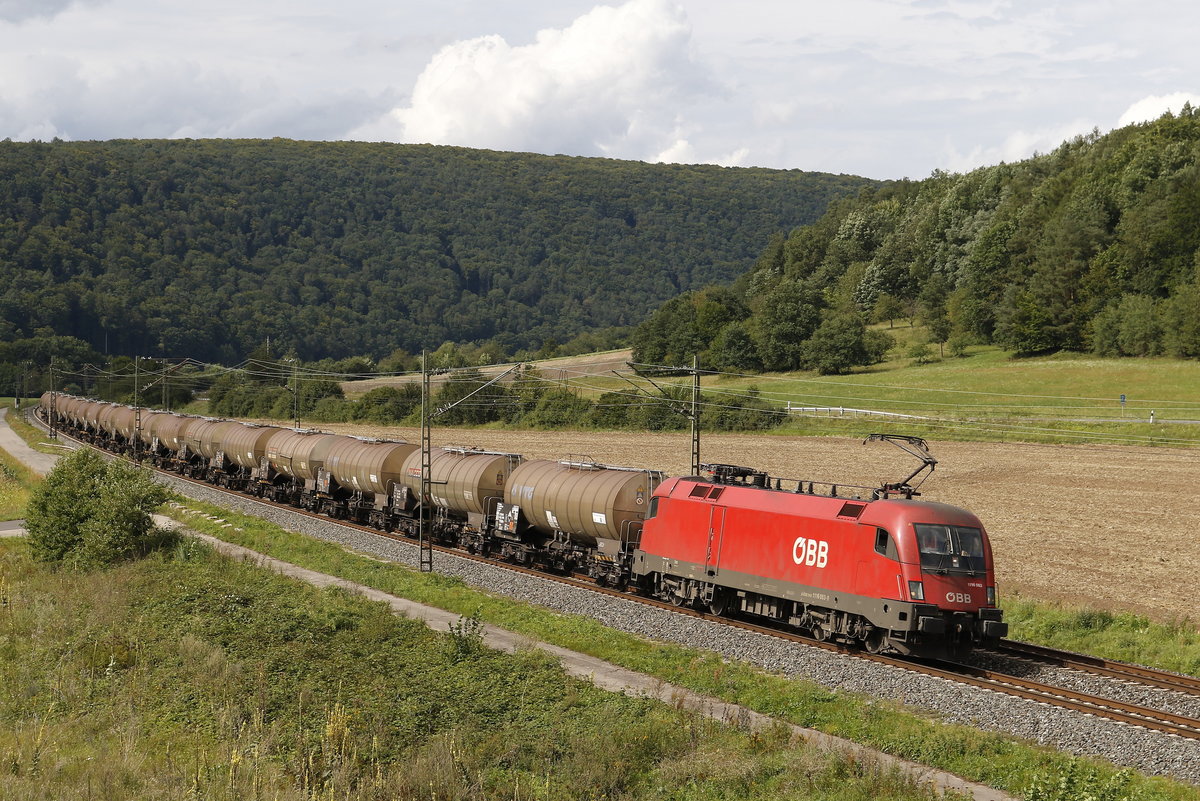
(883, 570)
(810, 552)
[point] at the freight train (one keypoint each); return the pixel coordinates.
(879, 569)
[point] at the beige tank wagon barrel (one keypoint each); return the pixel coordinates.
(464, 480)
(300, 454)
(587, 500)
(368, 465)
(245, 444)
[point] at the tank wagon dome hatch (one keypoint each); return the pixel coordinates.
(580, 497)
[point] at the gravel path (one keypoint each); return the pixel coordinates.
(1124, 745)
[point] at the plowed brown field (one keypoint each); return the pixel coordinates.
(1092, 526)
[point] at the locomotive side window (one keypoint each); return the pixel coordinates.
(653, 508)
(885, 545)
(946, 548)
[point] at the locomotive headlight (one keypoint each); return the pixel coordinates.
(916, 591)
(991, 596)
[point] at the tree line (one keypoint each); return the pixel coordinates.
(210, 249)
(1092, 247)
(526, 400)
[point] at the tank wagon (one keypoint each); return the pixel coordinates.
(575, 514)
(879, 569)
(466, 486)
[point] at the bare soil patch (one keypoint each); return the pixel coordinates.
(563, 368)
(1104, 527)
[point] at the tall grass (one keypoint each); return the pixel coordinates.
(1122, 636)
(16, 481)
(986, 757)
(189, 676)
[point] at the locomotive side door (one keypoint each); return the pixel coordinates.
(716, 534)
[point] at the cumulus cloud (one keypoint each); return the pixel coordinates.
(17, 11)
(1016, 146)
(1152, 107)
(617, 82)
(53, 96)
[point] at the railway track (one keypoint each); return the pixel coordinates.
(993, 680)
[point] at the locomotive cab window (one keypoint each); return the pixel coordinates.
(950, 548)
(650, 514)
(885, 545)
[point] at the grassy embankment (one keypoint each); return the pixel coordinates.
(191, 676)
(16, 480)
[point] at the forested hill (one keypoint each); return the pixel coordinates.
(207, 248)
(1095, 246)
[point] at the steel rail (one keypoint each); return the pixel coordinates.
(1109, 668)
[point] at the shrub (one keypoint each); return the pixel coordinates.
(90, 512)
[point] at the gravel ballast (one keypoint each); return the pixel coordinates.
(1124, 745)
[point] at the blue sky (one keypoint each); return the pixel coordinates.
(882, 89)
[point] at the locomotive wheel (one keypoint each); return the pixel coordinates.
(719, 603)
(875, 641)
(819, 634)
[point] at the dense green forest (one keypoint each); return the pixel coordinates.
(1093, 247)
(209, 249)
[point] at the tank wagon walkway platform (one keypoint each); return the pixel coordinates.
(604, 675)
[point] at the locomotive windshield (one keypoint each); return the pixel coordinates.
(950, 548)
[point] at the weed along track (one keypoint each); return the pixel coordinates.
(1108, 716)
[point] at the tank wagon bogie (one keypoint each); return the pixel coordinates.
(883, 571)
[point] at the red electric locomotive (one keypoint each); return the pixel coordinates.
(886, 571)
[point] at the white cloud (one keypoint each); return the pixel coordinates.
(1016, 146)
(616, 82)
(1152, 107)
(17, 11)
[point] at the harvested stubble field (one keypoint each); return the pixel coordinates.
(1103, 527)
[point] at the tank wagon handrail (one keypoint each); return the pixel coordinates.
(468, 450)
(579, 462)
(627, 529)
